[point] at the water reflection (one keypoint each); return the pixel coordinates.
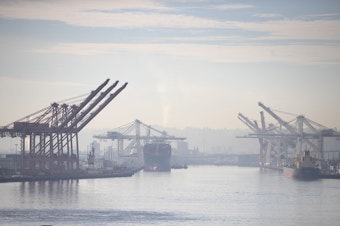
(49, 194)
(202, 195)
(89, 217)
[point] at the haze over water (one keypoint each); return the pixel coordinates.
(200, 195)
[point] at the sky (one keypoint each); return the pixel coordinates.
(187, 63)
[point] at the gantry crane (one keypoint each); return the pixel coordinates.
(276, 141)
(52, 133)
(138, 134)
(272, 145)
(255, 128)
(304, 134)
(298, 132)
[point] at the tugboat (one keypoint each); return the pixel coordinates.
(304, 168)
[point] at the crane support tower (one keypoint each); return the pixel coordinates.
(49, 137)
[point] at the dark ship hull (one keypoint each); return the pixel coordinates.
(157, 157)
(303, 173)
(304, 168)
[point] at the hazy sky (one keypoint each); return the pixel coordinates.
(188, 63)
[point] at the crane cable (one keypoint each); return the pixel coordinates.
(284, 112)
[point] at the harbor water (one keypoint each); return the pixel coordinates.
(199, 195)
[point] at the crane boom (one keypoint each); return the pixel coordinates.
(82, 105)
(101, 107)
(246, 121)
(89, 108)
(281, 121)
(290, 128)
(113, 135)
(310, 126)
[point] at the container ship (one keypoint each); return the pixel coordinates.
(157, 157)
(304, 168)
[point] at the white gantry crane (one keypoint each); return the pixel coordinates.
(137, 134)
(293, 137)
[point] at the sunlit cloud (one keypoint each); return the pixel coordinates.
(305, 54)
(323, 16)
(268, 15)
(62, 7)
(297, 29)
(150, 14)
(233, 6)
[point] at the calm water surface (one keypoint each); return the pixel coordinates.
(199, 195)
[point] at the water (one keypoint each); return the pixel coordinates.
(199, 195)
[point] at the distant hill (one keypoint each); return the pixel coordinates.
(206, 140)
